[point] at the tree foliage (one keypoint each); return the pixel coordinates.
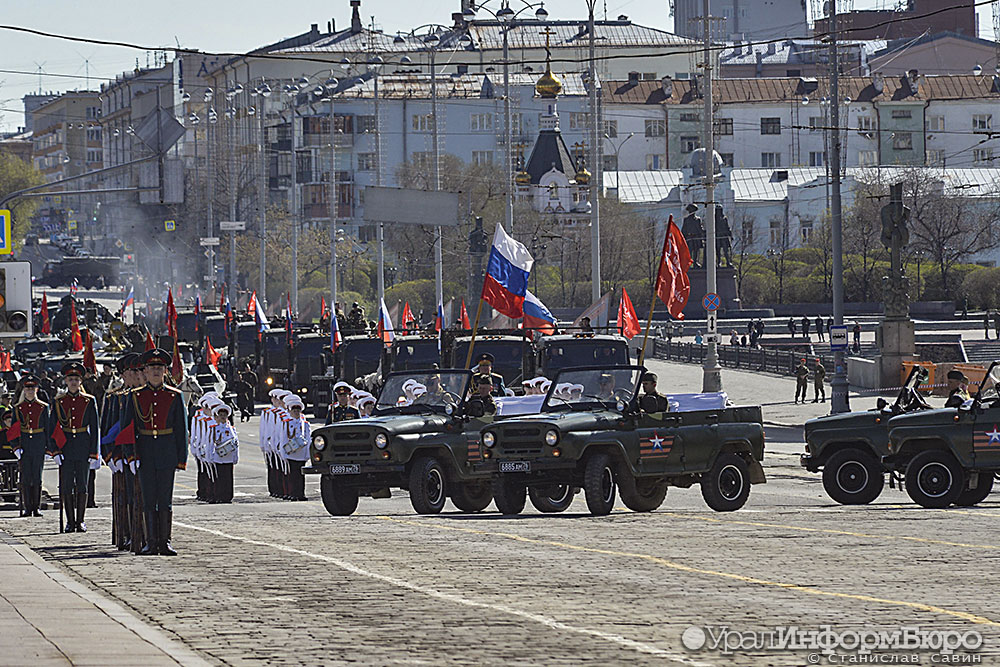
(16, 174)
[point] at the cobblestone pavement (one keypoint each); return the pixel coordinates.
(272, 582)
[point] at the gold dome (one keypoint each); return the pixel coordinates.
(522, 178)
(582, 175)
(548, 86)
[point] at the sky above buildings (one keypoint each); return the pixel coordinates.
(220, 25)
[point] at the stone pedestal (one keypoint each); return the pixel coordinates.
(895, 339)
(725, 279)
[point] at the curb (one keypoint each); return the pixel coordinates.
(117, 612)
(768, 422)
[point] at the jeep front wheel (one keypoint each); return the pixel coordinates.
(472, 496)
(853, 477)
(642, 495)
(599, 486)
(970, 497)
(726, 486)
(509, 497)
(551, 499)
(934, 479)
(427, 486)
(338, 500)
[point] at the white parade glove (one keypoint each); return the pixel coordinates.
(58, 459)
(95, 464)
(134, 466)
(115, 465)
(17, 453)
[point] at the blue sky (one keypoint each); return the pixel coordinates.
(224, 25)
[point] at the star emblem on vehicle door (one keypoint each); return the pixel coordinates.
(658, 441)
(994, 434)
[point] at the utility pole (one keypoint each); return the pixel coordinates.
(333, 206)
(838, 385)
(265, 91)
(233, 133)
(712, 372)
(438, 261)
(595, 167)
(509, 131)
(380, 228)
(293, 210)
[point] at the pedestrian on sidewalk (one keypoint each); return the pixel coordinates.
(829, 323)
(819, 377)
(805, 327)
(857, 338)
(986, 323)
(791, 326)
(819, 327)
(760, 329)
(801, 381)
(734, 338)
(996, 323)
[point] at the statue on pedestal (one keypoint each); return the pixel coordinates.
(895, 236)
(723, 238)
(694, 234)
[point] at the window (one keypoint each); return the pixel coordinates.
(935, 123)
(688, 144)
(867, 158)
(611, 129)
(481, 122)
(746, 229)
(423, 123)
(690, 118)
(656, 128)
(578, 120)
(727, 159)
(366, 124)
(806, 230)
(93, 112)
(723, 126)
(815, 123)
(901, 113)
(902, 141)
(94, 134)
(654, 162)
(516, 123)
(648, 76)
(93, 155)
(482, 158)
(776, 237)
(770, 126)
(982, 155)
(793, 72)
(422, 159)
(553, 191)
(935, 158)
(366, 162)
(770, 160)
(610, 162)
(982, 121)
(865, 124)
(816, 159)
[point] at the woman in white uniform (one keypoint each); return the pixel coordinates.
(225, 453)
(296, 447)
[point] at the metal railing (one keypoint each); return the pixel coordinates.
(763, 360)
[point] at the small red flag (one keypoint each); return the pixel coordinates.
(628, 321)
(127, 435)
(89, 362)
(58, 436)
(171, 315)
(465, 317)
(5, 359)
(76, 341)
(150, 345)
(407, 318)
(672, 284)
(46, 324)
(211, 356)
(222, 298)
(14, 432)
(322, 307)
(176, 368)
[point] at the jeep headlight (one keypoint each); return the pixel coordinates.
(620, 405)
(381, 440)
(551, 438)
(489, 439)
(449, 409)
(319, 442)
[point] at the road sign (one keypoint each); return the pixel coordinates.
(6, 243)
(210, 240)
(713, 317)
(838, 338)
(207, 279)
(169, 225)
(711, 302)
(71, 225)
(712, 338)
(232, 226)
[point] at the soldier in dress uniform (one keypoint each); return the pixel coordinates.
(134, 378)
(200, 438)
(74, 444)
(484, 366)
(279, 438)
(110, 414)
(31, 417)
(342, 410)
(296, 448)
(224, 453)
(652, 400)
(483, 388)
(268, 420)
(155, 436)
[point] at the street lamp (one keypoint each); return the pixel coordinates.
(617, 156)
(263, 91)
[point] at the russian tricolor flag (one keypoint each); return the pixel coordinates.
(507, 273)
(130, 299)
(385, 330)
(335, 337)
(537, 316)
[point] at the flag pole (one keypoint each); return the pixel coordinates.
(475, 327)
(645, 337)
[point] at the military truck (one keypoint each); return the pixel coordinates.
(594, 434)
(950, 456)
(87, 271)
(360, 360)
(415, 351)
(425, 444)
(848, 448)
(513, 355)
(579, 349)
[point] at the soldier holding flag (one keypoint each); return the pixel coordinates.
(29, 436)
(74, 443)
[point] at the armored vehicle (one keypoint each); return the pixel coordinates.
(594, 433)
(87, 271)
(848, 448)
(422, 442)
(951, 455)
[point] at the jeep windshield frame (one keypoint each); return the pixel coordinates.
(626, 388)
(394, 400)
(980, 394)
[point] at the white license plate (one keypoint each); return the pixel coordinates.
(515, 466)
(345, 469)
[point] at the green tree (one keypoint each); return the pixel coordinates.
(16, 174)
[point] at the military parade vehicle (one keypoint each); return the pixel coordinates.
(87, 271)
(513, 355)
(427, 444)
(580, 349)
(594, 433)
(950, 455)
(848, 448)
(414, 351)
(360, 360)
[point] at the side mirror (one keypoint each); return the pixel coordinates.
(881, 404)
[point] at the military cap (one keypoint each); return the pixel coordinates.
(958, 376)
(483, 378)
(691, 208)
(74, 368)
(649, 376)
(294, 402)
(275, 393)
(156, 357)
(342, 387)
(29, 381)
(606, 377)
(222, 407)
(485, 356)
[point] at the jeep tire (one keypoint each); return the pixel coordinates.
(726, 486)
(970, 497)
(338, 500)
(428, 489)
(934, 479)
(853, 477)
(551, 499)
(472, 496)
(599, 486)
(641, 495)
(508, 496)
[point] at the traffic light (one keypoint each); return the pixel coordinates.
(15, 299)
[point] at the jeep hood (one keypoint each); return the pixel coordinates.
(596, 420)
(938, 417)
(397, 424)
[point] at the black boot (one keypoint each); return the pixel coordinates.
(91, 502)
(35, 496)
(69, 507)
(152, 532)
(81, 509)
(166, 520)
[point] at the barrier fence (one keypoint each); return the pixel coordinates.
(781, 362)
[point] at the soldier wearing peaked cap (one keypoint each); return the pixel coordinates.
(30, 439)
(341, 410)
(958, 389)
(74, 444)
(484, 366)
(154, 430)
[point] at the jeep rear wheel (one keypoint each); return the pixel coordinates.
(338, 500)
(970, 497)
(642, 495)
(934, 479)
(599, 486)
(472, 496)
(427, 486)
(551, 499)
(726, 486)
(509, 497)
(853, 477)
